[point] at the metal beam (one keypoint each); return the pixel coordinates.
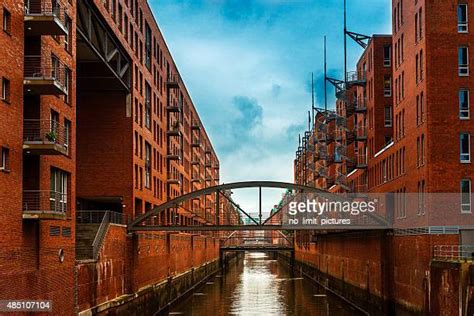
(255, 228)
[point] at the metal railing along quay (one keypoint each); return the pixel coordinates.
(453, 252)
(97, 216)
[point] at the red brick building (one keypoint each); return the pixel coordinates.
(94, 115)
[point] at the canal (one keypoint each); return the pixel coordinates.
(260, 285)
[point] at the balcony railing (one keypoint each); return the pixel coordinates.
(174, 154)
(45, 137)
(174, 178)
(195, 141)
(453, 252)
(96, 217)
(174, 129)
(356, 77)
(44, 204)
(45, 17)
(361, 132)
(172, 81)
(174, 107)
(195, 125)
(44, 75)
(361, 105)
(361, 161)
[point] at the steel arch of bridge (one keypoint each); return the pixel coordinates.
(217, 190)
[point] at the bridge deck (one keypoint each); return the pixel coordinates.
(257, 248)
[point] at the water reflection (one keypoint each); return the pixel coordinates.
(259, 285)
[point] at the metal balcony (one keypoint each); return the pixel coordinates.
(173, 178)
(44, 137)
(361, 133)
(174, 108)
(355, 78)
(361, 106)
(195, 178)
(172, 81)
(44, 205)
(44, 76)
(195, 162)
(361, 162)
(174, 130)
(196, 142)
(173, 155)
(44, 17)
(195, 125)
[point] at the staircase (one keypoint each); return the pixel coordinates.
(85, 235)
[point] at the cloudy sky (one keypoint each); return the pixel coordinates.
(247, 65)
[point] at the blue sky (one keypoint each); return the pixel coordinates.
(247, 65)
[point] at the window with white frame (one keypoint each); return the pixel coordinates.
(465, 196)
(387, 55)
(465, 147)
(463, 61)
(387, 86)
(388, 116)
(4, 159)
(462, 18)
(58, 195)
(464, 104)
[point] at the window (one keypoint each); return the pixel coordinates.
(148, 43)
(54, 126)
(388, 116)
(464, 104)
(120, 18)
(387, 86)
(421, 65)
(462, 18)
(68, 37)
(5, 89)
(465, 147)
(421, 197)
(463, 61)
(147, 105)
(67, 85)
(416, 27)
(67, 134)
(7, 21)
(58, 196)
(465, 196)
(420, 23)
(147, 165)
(55, 71)
(5, 159)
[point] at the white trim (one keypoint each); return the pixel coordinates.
(384, 149)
